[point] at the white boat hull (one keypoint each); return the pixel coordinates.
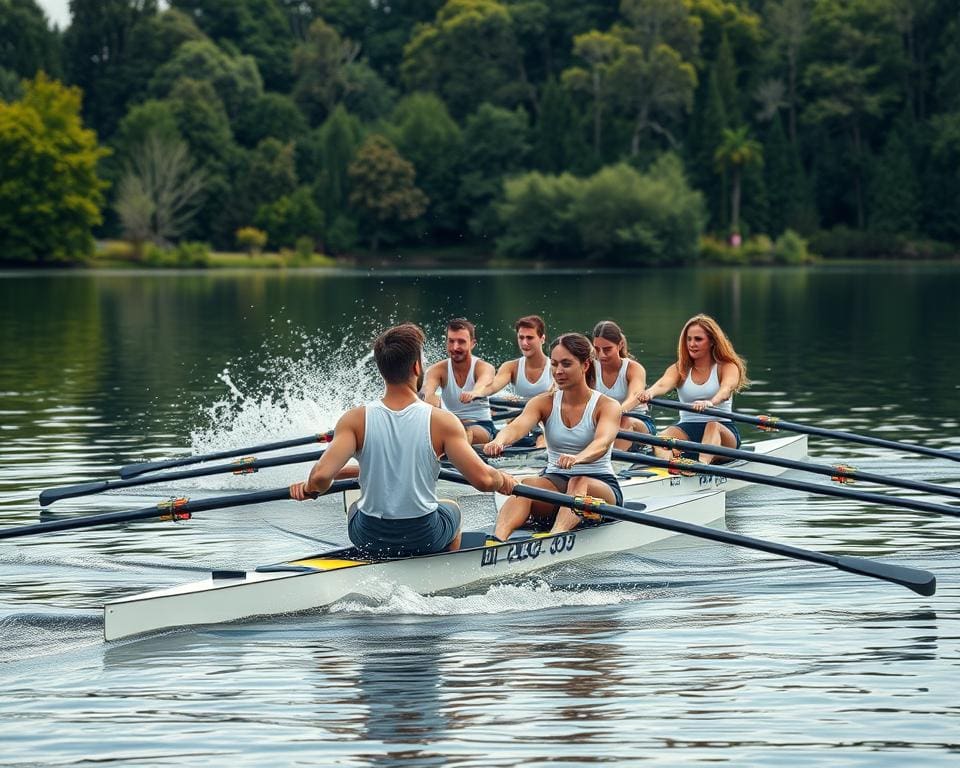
(334, 575)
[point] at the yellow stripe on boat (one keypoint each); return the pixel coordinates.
(328, 563)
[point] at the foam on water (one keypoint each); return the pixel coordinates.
(285, 396)
(381, 598)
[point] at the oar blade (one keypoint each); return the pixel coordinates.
(922, 582)
(51, 495)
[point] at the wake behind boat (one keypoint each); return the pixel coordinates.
(313, 582)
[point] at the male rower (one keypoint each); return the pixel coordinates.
(459, 378)
(397, 441)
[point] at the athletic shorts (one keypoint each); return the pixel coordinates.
(560, 482)
(694, 430)
(651, 426)
(405, 537)
(485, 423)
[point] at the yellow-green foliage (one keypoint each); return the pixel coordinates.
(50, 195)
(251, 239)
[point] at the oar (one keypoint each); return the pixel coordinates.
(691, 467)
(132, 470)
(246, 466)
(840, 473)
(773, 423)
(921, 582)
(178, 509)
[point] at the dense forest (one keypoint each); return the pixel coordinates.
(644, 131)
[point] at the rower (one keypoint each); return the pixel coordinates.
(529, 374)
(580, 425)
(707, 373)
(397, 441)
(461, 378)
(626, 377)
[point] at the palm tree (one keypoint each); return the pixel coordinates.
(736, 151)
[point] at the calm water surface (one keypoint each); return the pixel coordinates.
(683, 654)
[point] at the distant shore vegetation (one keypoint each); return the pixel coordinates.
(646, 132)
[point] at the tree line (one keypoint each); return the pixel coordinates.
(645, 131)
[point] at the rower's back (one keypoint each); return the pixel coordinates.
(398, 464)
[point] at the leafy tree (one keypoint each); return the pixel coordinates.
(789, 22)
(264, 174)
(383, 188)
(319, 66)
(97, 49)
(557, 138)
(895, 189)
(535, 217)
(258, 28)
(291, 217)
(160, 192)
(469, 54)
(424, 133)
(27, 45)
(365, 93)
(51, 195)
(737, 152)
(270, 115)
(726, 69)
(495, 145)
(251, 239)
(600, 51)
(235, 78)
(339, 139)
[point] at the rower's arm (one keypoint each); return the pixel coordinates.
(481, 386)
(504, 376)
(531, 415)
(666, 383)
(451, 438)
(341, 449)
(432, 381)
(608, 422)
(729, 381)
(636, 383)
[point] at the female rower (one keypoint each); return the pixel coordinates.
(707, 373)
(580, 425)
(621, 377)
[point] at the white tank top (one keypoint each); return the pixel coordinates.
(571, 440)
(690, 391)
(398, 466)
(478, 410)
(619, 389)
(524, 388)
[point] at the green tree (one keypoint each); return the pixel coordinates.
(258, 28)
(558, 142)
(535, 217)
(97, 49)
(424, 133)
(737, 152)
(339, 139)
(264, 174)
(382, 187)
(319, 68)
(495, 146)
(468, 55)
(789, 23)
(600, 51)
(27, 45)
(895, 189)
(270, 115)
(235, 78)
(291, 217)
(51, 196)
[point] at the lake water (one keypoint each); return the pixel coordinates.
(688, 653)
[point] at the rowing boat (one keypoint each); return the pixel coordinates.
(314, 582)
(642, 482)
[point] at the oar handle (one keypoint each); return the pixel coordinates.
(132, 470)
(921, 582)
(778, 461)
(165, 509)
(774, 423)
(782, 482)
(51, 495)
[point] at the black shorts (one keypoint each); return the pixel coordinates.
(409, 536)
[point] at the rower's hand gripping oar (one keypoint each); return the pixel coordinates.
(132, 470)
(685, 466)
(178, 509)
(243, 467)
(919, 581)
(774, 423)
(840, 474)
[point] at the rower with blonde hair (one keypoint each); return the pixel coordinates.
(707, 373)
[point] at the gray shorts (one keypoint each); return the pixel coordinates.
(402, 538)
